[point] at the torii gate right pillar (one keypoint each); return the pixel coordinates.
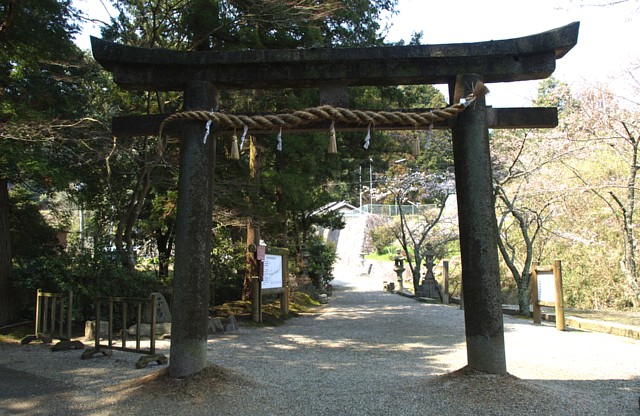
(478, 234)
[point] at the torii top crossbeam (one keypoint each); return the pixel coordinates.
(518, 59)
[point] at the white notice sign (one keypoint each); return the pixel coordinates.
(272, 277)
(546, 287)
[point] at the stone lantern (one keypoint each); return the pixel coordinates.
(429, 286)
(399, 268)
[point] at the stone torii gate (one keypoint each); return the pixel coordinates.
(462, 66)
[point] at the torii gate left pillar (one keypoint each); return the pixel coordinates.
(192, 268)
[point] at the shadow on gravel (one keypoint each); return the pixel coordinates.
(22, 392)
(20, 384)
(467, 391)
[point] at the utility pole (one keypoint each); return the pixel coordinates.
(360, 186)
(370, 185)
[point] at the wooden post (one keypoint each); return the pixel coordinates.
(284, 298)
(537, 313)
(445, 282)
(557, 277)
(192, 268)
(478, 233)
(45, 311)
(154, 319)
(69, 314)
(125, 313)
(96, 339)
(110, 333)
(38, 312)
(256, 299)
(138, 321)
(52, 328)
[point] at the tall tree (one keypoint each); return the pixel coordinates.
(37, 62)
(143, 168)
(612, 132)
(521, 212)
(523, 163)
(428, 192)
(215, 25)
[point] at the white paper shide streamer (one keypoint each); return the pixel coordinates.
(279, 138)
(244, 135)
(367, 138)
(429, 136)
(207, 128)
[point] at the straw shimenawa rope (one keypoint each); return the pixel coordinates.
(328, 113)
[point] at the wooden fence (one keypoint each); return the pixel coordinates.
(53, 310)
(123, 307)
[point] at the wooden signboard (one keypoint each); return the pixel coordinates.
(273, 280)
(546, 290)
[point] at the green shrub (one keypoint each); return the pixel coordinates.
(228, 267)
(322, 256)
(382, 238)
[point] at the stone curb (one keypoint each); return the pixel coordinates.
(606, 327)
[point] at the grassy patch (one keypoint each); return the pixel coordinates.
(380, 257)
(271, 312)
(15, 333)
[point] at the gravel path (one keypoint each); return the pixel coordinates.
(366, 353)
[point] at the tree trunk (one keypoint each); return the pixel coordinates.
(415, 271)
(508, 252)
(7, 308)
(253, 241)
(124, 231)
(630, 243)
(253, 229)
(523, 293)
(164, 243)
(281, 209)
